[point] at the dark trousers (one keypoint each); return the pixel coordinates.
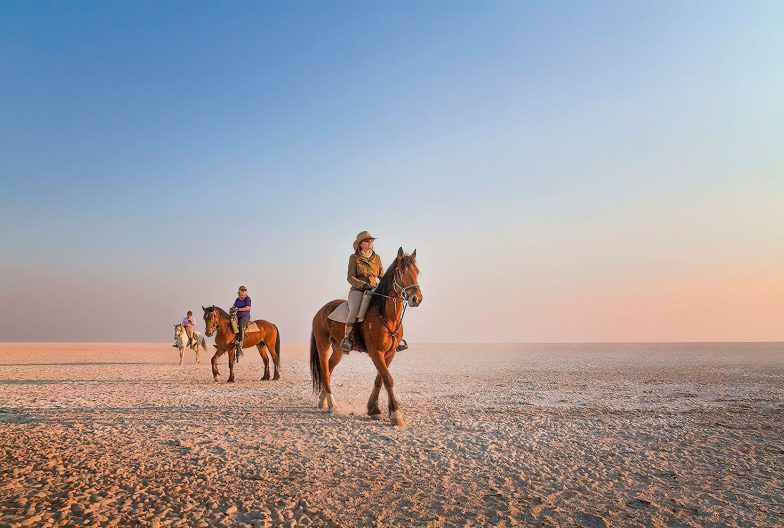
(242, 322)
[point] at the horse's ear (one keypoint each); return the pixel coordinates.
(413, 255)
(203, 308)
(400, 252)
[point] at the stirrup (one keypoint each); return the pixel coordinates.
(402, 346)
(346, 345)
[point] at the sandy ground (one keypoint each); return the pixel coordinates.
(497, 435)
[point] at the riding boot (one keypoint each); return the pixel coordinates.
(240, 339)
(348, 341)
(402, 346)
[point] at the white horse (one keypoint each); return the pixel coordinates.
(181, 339)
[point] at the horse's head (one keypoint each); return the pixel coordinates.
(178, 329)
(210, 320)
(406, 276)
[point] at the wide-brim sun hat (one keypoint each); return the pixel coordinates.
(364, 235)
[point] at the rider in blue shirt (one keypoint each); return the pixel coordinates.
(242, 309)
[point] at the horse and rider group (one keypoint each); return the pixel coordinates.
(370, 321)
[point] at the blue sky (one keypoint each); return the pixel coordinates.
(559, 165)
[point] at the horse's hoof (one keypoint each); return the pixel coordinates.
(230, 380)
(216, 379)
(276, 377)
(265, 378)
(377, 416)
(396, 418)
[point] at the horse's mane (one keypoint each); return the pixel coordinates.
(385, 286)
(220, 311)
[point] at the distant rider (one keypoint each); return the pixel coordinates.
(189, 324)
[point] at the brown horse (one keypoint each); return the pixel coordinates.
(267, 337)
(381, 332)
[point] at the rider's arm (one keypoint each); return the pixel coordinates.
(380, 269)
(246, 307)
(355, 281)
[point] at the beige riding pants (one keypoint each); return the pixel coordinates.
(189, 331)
(354, 301)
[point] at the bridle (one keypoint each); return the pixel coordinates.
(403, 290)
(213, 320)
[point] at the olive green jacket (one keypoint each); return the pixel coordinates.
(363, 273)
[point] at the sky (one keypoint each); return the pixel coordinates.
(567, 171)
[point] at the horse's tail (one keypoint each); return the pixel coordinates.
(316, 375)
(277, 345)
(203, 342)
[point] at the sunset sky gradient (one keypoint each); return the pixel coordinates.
(568, 171)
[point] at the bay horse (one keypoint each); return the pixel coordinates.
(382, 330)
(267, 337)
(181, 340)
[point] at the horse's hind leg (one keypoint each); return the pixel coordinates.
(263, 354)
(182, 351)
(231, 365)
(274, 351)
(326, 400)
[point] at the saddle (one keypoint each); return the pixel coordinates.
(340, 314)
(235, 326)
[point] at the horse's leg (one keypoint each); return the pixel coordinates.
(263, 354)
(326, 401)
(274, 352)
(232, 351)
(182, 351)
(214, 362)
(198, 350)
(372, 406)
(334, 359)
(395, 415)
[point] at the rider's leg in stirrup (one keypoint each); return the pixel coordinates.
(243, 323)
(402, 345)
(348, 340)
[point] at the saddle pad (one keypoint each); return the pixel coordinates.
(340, 314)
(252, 327)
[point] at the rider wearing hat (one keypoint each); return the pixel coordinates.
(364, 272)
(242, 309)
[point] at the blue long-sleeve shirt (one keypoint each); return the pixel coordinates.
(242, 303)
